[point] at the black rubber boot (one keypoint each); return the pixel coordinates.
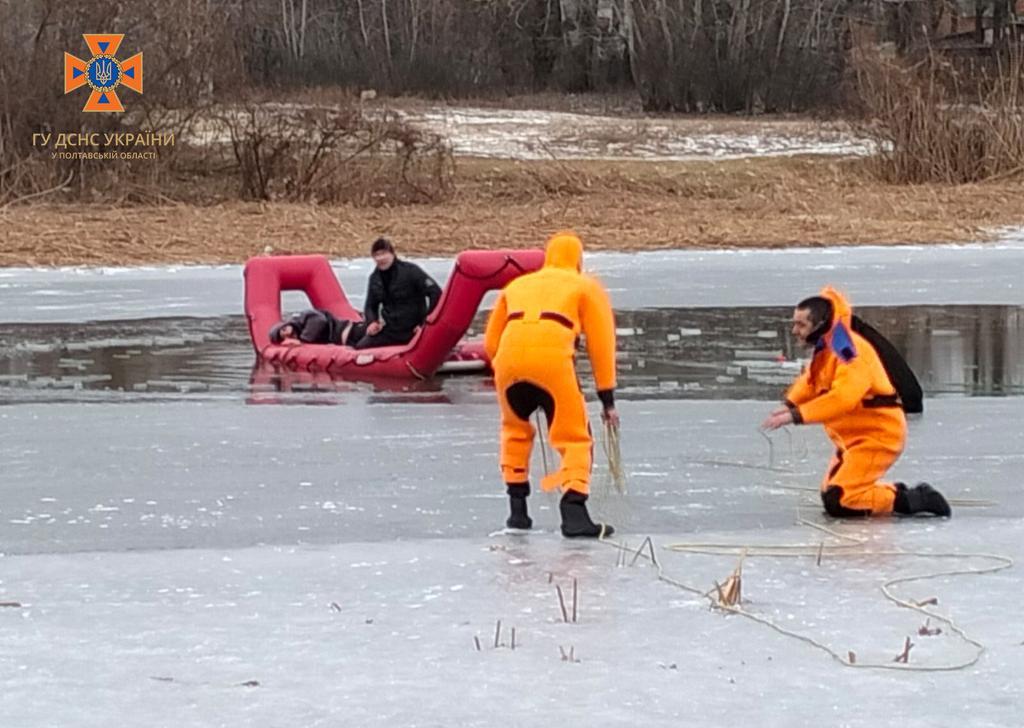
(922, 498)
(519, 517)
(576, 521)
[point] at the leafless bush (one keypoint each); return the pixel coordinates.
(334, 155)
(187, 56)
(938, 121)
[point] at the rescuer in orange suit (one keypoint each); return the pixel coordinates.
(531, 338)
(847, 390)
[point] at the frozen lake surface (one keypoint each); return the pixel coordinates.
(902, 275)
(189, 542)
(165, 555)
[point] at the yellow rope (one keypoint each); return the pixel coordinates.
(613, 452)
(543, 437)
(853, 547)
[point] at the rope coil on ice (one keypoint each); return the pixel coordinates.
(847, 547)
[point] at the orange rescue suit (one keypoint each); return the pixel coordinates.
(531, 338)
(847, 390)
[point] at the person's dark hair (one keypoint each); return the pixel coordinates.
(275, 331)
(382, 244)
(820, 309)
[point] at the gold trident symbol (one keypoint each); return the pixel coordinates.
(104, 71)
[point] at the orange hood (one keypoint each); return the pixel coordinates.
(838, 338)
(564, 250)
(842, 312)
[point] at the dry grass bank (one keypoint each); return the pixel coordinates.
(614, 205)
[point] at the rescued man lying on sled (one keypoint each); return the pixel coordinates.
(317, 326)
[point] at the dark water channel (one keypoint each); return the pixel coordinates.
(691, 353)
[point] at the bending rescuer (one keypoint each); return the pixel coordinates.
(531, 338)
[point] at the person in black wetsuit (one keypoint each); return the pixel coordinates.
(317, 326)
(399, 297)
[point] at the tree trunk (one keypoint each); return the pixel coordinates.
(666, 31)
(387, 32)
(286, 25)
(999, 9)
(414, 23)
(571, 22)
(632, 33)
(362, 26)
(782, 31)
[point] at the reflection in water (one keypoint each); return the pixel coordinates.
(171, 356)
(270, 385)
(970, 349)
(697, 353)
(748, 352)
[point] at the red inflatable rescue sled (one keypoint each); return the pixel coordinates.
(435, 347)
